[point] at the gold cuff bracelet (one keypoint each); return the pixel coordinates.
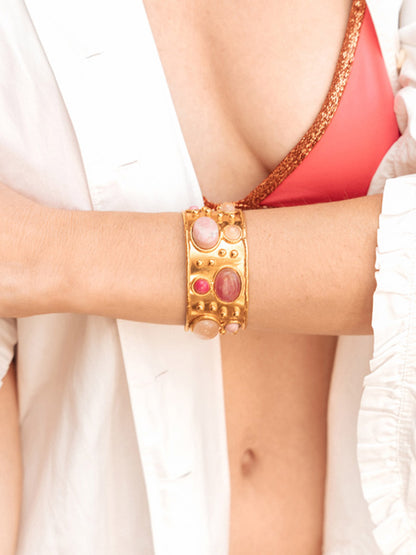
(217, 277)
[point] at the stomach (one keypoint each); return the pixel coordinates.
(276, 390)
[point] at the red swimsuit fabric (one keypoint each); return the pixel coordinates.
(342, 163)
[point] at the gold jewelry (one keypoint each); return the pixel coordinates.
(217, 276)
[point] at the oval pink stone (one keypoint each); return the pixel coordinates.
(201, 286)
(205, 328)
(205, 233)
(227, 285)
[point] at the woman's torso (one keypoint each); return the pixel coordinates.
(79, 374)
(247, 81)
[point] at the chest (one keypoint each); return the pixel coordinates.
(247, 80)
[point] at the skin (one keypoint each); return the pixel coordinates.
(308, 281)
(288, 436)
(10, 465)
(333, 291)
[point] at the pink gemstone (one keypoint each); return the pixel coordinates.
(232, 232)
(193, 207)
(227, 207)
(201, 286)
(205, 233)
(205, 328)
(227, 285)
(232, 327)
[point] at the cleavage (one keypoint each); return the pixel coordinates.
(247, 80)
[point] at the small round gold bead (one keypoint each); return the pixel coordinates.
(223, 312)
(199, 263)
(220, 216)
(207, 210)
(213, 307)
(232, 217)
(195, 211)
(211, 262)
(222, 331)
(200, 306)
(236, 312)
(234, 254)
(222, 252)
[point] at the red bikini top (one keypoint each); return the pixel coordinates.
(339, 154)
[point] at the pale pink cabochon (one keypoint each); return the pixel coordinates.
(205, 233)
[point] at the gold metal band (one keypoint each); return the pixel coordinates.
(217, 275)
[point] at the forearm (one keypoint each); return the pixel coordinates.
(10, 465)
(311, 268)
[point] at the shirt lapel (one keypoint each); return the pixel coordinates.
(109, 74)
(108, 71)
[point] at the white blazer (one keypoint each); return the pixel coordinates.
(123, 423)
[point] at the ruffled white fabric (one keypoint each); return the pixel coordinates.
(387, 419)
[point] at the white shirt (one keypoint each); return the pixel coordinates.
(123, 423)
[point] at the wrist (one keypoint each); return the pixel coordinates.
(81, 269)
(60, 281)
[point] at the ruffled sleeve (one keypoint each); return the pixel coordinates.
(387, 417)
(387, 420)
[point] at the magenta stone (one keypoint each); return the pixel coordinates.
(227, 285)
(201, 286)
(205, 233)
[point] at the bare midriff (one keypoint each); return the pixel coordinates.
(247, 80)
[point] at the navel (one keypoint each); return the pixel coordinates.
(248, 462)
